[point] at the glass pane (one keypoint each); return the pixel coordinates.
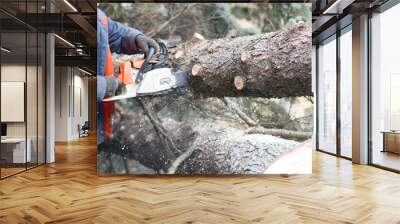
(13, 77)
(31, 98)
(386, 89)
(41, 99)
(346, 93)
(22, 88)
(32, 87)
(327, 96)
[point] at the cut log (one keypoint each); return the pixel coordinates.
(273, 65)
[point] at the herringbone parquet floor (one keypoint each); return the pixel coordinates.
(69, 191)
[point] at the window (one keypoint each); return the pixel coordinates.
(346, 93)
(385, 89)
(22, 90)
(327, 96)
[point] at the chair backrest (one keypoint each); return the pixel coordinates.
(86, 125)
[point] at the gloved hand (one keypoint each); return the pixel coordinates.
(112, 85)
(144, 43)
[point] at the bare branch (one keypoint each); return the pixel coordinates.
(160, 130)
(296, 135)
(178, 161)
(166, 23)
(232, 105)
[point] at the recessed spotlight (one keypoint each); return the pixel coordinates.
(5, 50)
(65, 41)
(84, 71)
(337, 7)
(70, 5)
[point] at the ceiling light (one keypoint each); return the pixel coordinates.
(337, 7)
(5, 50)
(65, 41)
(79, 51)
(84, 71)
(70, 5)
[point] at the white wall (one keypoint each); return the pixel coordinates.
(16, 73)
(80, 89)
(33, 126)
(61, 103)
(71, 94)
(12, 73)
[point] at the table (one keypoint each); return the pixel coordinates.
(13, 150)
(391, 141)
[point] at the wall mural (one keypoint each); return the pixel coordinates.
(204, 88)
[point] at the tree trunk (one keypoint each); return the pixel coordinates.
(273, 65)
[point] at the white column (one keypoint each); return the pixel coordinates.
(50, 100)
(314, 90)
(360, 90)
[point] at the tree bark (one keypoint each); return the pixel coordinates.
(273, 65)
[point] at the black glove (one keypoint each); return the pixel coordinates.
(112, 85)
(144, 43)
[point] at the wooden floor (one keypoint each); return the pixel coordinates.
(386, 159)
(69, 191)
(10, 171)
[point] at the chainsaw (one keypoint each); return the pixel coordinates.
(148, 77)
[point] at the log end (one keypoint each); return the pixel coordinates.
(245, 56)
(239, 82)
(178, 54)
(231, 34)
(196, 69)
(198, 37)
(302, 26)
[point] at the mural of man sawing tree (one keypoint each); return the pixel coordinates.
(247, 100)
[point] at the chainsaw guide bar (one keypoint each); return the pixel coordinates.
(154, 77)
